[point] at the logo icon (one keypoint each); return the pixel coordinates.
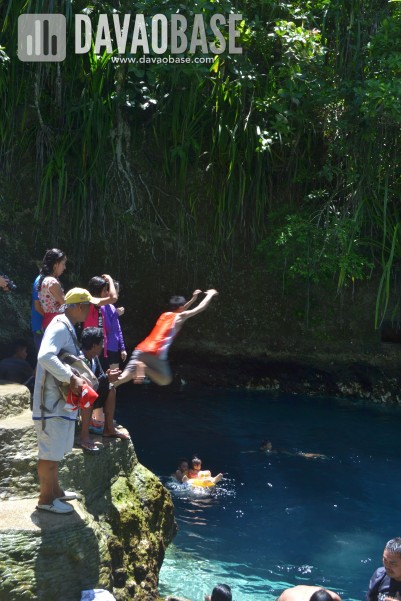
(42, 38)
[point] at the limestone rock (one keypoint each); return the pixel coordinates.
(14, 397)
(115, 539)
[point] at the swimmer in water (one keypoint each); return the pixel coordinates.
(196, 472)
(308, 593)
(181, 474)
(267, 447)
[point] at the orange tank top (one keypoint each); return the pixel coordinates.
(159, 340)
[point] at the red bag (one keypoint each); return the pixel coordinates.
(82, 401)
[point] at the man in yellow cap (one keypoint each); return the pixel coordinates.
(54, 425)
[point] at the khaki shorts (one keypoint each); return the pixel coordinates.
(56, 439)
(153, 361)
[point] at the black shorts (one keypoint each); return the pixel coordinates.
(103, 391)
(112, 357)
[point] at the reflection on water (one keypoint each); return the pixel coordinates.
(275, 520)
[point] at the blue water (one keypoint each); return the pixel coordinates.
(275, 520)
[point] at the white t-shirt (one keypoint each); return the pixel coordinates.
(57, 337)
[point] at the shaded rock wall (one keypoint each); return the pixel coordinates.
(115, 539)
(376, 378)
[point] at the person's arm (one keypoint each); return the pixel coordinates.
(121, 343)
(195, 295)
(3, 283)
(109, 300)
(57, 292)
(38, 307)
(112, 374)
(181, 317)
(54, 340)
(312, 456)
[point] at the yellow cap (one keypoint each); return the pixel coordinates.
(80, 295)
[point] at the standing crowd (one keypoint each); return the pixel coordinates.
(80, 348)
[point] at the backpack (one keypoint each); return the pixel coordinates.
(80, 369)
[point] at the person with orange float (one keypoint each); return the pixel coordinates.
(201, 477)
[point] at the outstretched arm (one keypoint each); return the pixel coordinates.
(201, 307)
(195, 295)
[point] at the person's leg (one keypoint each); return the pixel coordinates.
(48, 481)
(85, 439)
(129, 371)
(157, 377)
(204, 474)
(109, 408)
(146, 364)
(37, 339)
(98, 417)
(98, 414)
(158, 370)
(217, 478)
(55, 439)
(86, 415)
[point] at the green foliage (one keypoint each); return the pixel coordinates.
(313, 103)
(316, 249)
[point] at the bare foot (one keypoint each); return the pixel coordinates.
(139, 373)
(116, 434)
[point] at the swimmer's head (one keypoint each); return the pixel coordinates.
(176, 302)
(183, 465)
(196, 462)
(266, 445)
(321, 595)
(221, 592)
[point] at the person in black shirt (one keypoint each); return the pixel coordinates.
(16, 368)
(386, 581)
(92, 347)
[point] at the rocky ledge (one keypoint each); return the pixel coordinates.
(116, 538)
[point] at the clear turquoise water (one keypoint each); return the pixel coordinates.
(275, 520)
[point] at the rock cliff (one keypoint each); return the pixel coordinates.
(115, 539)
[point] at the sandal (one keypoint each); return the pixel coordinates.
(56, 507)
(89, 447)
